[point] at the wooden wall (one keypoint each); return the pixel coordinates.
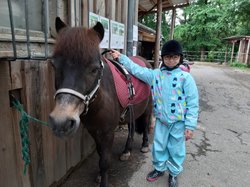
(32, 82)
(51, 157)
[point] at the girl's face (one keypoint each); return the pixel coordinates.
(171, 60)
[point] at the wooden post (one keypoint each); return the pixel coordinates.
(124, 19)
(172, 24)
(85, 13)
(226, 53)
(158, 32)
(239, 56)
(247, 52)
(232, 53)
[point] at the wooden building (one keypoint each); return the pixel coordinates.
(242, 43)
(26, 43)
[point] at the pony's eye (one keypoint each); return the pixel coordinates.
(95, 70)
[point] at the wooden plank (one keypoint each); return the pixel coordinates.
(59, 145)
(73, 149)
(47, 136)
(54, 148)
(8, 172)
(16, 77)
(118, 11)
(32, 95)
(16, 69)
(100, 7)
(25, 179)
(124, 20)
(85, 13)
(110, 11)
(91, 5)
(87, 143)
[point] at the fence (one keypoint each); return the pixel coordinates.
(214, 56)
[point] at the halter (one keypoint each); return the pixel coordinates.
(85, 98)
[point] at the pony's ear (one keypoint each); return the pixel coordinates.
(59, 24)
(99, 29)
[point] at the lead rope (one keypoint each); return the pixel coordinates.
(24, 132)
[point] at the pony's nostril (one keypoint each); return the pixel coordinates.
(72, 124)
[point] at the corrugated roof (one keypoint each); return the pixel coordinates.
(237, 38)
(150, 6)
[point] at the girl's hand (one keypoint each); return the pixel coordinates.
(188, 134)
(115, 54)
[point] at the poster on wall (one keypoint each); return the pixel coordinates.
(105, 41)
(117, 35)
(121, 36)
(135, 33)
(114, 37)
(93, 19)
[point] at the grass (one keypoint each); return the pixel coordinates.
(239, 65)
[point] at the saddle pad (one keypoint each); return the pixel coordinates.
(142, 90)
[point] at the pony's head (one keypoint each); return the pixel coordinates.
(78, 70)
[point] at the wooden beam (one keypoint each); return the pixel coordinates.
(142, 8)
(172, 24)
(247, 52)
(163, 9)
(232, 53)
(158, 33)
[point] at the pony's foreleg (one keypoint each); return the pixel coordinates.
(104, 149)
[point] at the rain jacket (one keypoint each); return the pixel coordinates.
(174, 93)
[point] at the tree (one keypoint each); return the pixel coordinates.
(205, 23)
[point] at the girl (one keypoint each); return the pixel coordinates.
(175, 101)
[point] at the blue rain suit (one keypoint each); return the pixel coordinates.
(175, 107)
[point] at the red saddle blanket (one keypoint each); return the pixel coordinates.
(142, 90)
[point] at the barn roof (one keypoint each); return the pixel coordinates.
(237, 38)
(150, 6)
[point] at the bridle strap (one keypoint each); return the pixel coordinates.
(72, 92)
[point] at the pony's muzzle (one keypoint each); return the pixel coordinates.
(63, 127)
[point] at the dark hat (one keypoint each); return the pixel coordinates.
(172, 47)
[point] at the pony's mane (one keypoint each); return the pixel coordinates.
(77, 43)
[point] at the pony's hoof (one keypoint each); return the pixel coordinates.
(125, 156)
(98, 179)
(145, 149)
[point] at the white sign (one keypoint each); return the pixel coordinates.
(105, 41)
(117, 35)
(135, 33)
(134, 50)
(93, 19)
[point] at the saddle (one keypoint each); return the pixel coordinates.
(129, 89)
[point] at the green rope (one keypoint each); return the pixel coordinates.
(24, 128)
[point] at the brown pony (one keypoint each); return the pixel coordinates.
(86, 93)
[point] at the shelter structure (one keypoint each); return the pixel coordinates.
(26, 44)
(158, 6)
(146, 41)
(243, 45)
